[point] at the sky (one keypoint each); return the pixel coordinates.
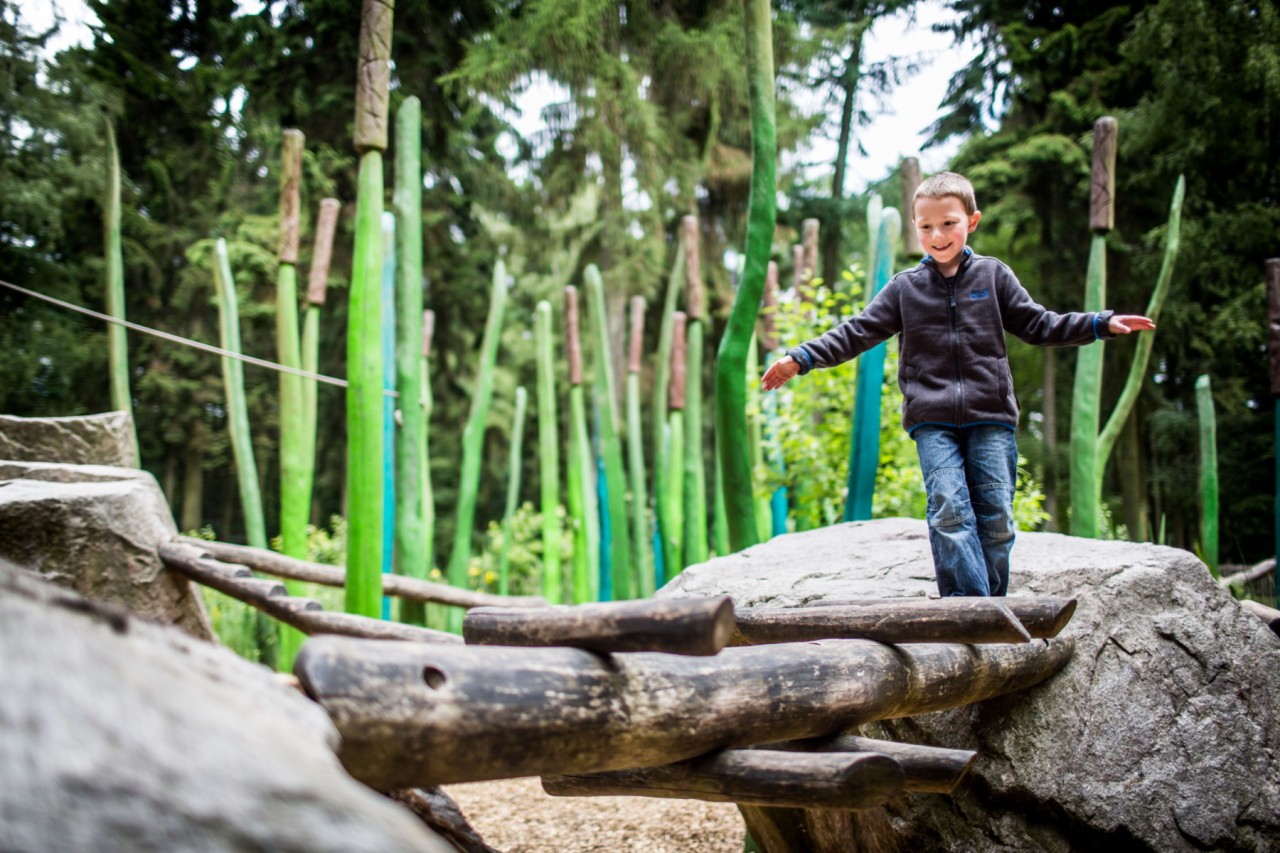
(897, 129)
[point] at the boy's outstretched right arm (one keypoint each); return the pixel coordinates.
(779, 373)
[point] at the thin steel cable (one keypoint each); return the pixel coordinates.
(177, 339)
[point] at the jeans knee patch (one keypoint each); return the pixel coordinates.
(948, 498)
(993, 506)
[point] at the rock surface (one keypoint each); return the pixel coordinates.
(105, 439)
(116, 734)
(94, 529)
(1161, 734)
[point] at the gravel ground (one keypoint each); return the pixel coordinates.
(516, 816)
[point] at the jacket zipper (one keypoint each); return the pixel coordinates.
(955, 346)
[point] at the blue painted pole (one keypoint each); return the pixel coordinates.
(864, 450)
(388, 402)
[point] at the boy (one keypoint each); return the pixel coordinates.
(951, 312)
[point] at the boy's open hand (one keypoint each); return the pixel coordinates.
(1123, 324)
(779, 373)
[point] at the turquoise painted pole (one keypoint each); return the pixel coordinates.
(409, 528)
(364, 318)
(864, 455)
(515, 463)
(768, 316)
(388, 401)
(606, 523)
(237, 410)
(549, 451)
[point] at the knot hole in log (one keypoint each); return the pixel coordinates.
(434, 677)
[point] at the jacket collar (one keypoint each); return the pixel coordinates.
(928, 262)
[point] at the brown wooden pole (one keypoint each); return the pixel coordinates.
(675, 399)
(830, 780)
(410, 589)
(1102, 198)
(438, 810)
(322, 254)
(1042, 617)
(290, 195)
(769, 308)
(414, 714)
(928, 769)
(910, 174)
(572, 341)
(681, 626)
(955, 620)
(694, 300)
(373, 76)
(296, 613)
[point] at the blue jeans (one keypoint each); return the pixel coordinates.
(969, 475)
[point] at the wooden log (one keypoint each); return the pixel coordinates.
(270, 598)
(411, 589)
(413, 714)
(439, 811)
(373, 77)
(1102, 199)
(1253, 573)
(1267, 614)
(675, 399)
(833, 780)
(1043, 617)
(928, 769)
(290, 195)
(572, 340)
(695, 303)
(910, 175)
(905, 620)
(322, 253)
(688, 626)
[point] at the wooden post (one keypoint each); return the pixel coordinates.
(910, 174)
(836, 780)
(929, 769)
(414, 715)
(968, 620)
(689, 626)
(1102, 197)
(1043, 617)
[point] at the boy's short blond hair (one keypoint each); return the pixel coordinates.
(946, 184)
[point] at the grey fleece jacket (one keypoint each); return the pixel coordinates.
(953, 367)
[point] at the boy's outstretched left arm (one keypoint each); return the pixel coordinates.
(1123, 324)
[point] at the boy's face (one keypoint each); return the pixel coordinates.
(944, 228)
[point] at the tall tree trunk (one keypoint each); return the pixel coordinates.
(192, 485)
(1133, 480)
(831, 229)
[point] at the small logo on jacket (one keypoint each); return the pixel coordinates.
(979, 294)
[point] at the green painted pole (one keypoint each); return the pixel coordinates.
(1142, 349)
(769, 310)
(731, 363)
(661, 386)
(641, 538)
(1208, 473)
(117, 343)
(295, 485)
(389, 502)
(411, 556)
(584, 507)
(415, 613)
(755, 432)
(672, 522)
(1086, 397)
(864, 454)
(695, 472)
(473, 437)
(624, 584)
(317, 290)
(364, 320)
(237, 409)
(514, 464)
(549, 452)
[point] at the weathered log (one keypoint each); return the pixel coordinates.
(681, 626)
(1102, 199)
(1253, 573)
(675, 399)
(1267, 614)
(1043, 617)
(778, 830)
(410, 589)
(928, 769)
(322, 254)
(271, 599)
(833, 780)
(412, 714)
(695, 303)
(438, 810)
(903, 620)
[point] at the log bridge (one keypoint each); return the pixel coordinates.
(683, 698)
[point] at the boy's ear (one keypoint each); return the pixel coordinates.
(973, 220)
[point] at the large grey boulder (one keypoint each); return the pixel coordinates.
(105, 439)
(119, 735)
(95, 529)
(1161, 734)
